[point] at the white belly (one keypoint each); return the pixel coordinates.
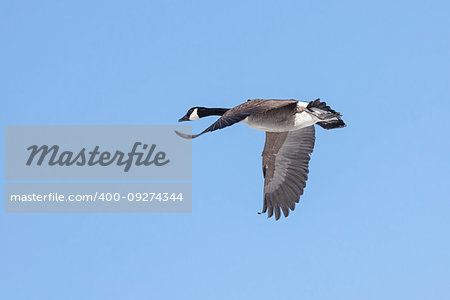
(301, 120)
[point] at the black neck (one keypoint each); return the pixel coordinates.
(212, 112)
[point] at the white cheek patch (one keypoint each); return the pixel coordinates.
(194, 116)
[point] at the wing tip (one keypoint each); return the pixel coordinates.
(187, 136)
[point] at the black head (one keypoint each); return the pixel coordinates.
(192, 114)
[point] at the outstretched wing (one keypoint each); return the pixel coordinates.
(285, 168)
(240, 112)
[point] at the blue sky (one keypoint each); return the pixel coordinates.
(374, 220)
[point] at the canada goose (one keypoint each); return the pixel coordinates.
(289, 126)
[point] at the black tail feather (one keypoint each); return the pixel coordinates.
(331, 124)
(334, 121)
(320, 105)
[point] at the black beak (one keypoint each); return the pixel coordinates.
(185, 118)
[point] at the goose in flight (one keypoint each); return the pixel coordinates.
(289, 127)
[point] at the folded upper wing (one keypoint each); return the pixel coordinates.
(240, 112)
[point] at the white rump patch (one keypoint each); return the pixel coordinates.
(302, 104)
(304, 119)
